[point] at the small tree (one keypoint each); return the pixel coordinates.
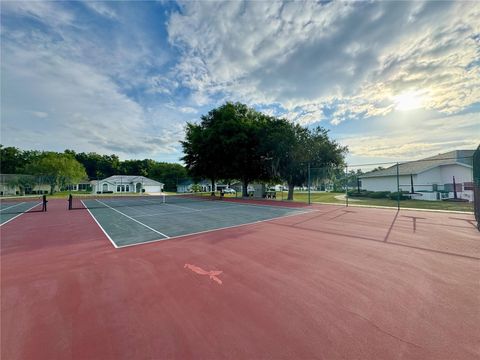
(58, 169)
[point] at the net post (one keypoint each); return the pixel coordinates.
(398, 187)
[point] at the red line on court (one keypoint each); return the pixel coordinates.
(363, 285)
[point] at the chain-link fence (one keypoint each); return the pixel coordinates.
(439, 183)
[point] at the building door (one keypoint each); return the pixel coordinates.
(138, 187)
(104, 187)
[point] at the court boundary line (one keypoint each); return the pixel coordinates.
(100, 226)
(139, 222)
(193, 210)
(26, 211)
(9, 207)
(217, 229)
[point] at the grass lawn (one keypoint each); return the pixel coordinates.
(330, 197)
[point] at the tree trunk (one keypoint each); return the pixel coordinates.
(213, 187)
(290, 191)
(245, 188)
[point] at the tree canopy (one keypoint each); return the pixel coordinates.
(234, 141)
(57, 169)
(95, 166)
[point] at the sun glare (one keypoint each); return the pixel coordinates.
(408, 101)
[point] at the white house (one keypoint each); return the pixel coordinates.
(126, 184)
(431, 178)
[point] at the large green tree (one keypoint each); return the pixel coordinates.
(203, 156)
(226, 144)
(168, 174)
(300, 147)
(57, 169)
(99, 166)
(14, 161)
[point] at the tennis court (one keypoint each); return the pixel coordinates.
(135, 220)
(10, 208)
(326, 282)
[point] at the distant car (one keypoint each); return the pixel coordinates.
(229, 191)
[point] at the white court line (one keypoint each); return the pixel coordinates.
(148, 227)
(179, 212)
(12, 206)
(185, 207)
(19, 214)
(192, 210)
(100, 226)
(221, 228)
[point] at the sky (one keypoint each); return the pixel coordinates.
(391, 80)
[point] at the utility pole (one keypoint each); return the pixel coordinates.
(346, 185)
(308, 183)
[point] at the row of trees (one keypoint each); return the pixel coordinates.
(61, 169)
(234, 141)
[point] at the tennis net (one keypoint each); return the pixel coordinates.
(22, 204)
(115, 201)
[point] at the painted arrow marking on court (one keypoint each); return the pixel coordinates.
(211, 274)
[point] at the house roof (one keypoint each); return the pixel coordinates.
(456, 157)
(126, 179)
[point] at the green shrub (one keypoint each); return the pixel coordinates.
(393, 195)
(369, 194)
(355, 193)
(379, 194)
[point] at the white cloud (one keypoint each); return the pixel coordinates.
(84, 107)
(359, 55)
(40, 114)
(101, 8)
(43, 11)
(77, 82)
(424, 138)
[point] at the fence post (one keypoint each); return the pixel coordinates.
(398, 188)
(308, 184)
(476, 185)
(346, 185)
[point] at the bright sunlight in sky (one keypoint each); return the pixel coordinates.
(410, 100)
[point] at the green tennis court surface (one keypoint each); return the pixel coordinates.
(10, 208)
(128, 222)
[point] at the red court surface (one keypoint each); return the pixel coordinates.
(336, 283)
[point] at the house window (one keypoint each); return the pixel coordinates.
(123, 188)
(127, 188)
(468, 185)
